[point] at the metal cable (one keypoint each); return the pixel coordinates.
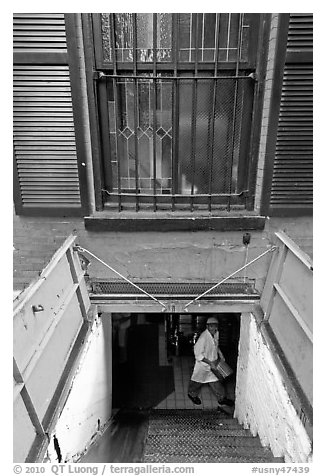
(230, 276)
(80, 248)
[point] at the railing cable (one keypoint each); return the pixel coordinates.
(230, 276)
(80, 248)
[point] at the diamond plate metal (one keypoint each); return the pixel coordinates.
(163, 458)
(197, 436)
(158, 431)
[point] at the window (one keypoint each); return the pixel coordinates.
(175, 100)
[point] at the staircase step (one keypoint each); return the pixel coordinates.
(196, 436)
(200, 425)
(201, 432)
(214, 451)
(162, 413)
(210, 443)
(167, 458)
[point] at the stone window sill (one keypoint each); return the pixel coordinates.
(177, 221)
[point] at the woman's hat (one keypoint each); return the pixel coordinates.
(212, 320)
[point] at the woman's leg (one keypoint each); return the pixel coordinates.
(218, 390)
(193, 391)
(194, 388)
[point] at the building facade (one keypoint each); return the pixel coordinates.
(175, 146)
(224, 123)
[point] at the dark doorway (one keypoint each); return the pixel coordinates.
(153, 357)
(139, 378)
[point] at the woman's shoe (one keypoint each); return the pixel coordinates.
(195, 400)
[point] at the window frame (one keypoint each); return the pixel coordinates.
(91, 24)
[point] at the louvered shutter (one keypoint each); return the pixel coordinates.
(292, 181)
(47, 178)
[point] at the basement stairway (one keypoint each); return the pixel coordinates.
(201, 436)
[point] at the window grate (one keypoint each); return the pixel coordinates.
(175, 93)
(152, 35)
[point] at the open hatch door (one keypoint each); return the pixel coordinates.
(51, 320)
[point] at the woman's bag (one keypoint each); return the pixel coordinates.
(222, 370)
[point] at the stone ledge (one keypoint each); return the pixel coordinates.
(158, 222)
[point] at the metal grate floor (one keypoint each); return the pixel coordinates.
(235, 290)
(197, 436)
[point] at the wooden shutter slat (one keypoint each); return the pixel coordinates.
(44, 137)
(25, 83)
(35, 33)
(41, 70)
(43, 34)
(51, 150)
(292, 181)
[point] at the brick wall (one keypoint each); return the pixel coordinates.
(262, 403)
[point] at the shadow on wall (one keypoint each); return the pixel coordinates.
(138, 379)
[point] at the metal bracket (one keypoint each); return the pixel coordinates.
(253, 76)
(97, 75)
(243, 193)
(38, 308)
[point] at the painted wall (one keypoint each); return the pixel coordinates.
(202, 255)
(88, 407)
(262, 403)
(46, 322)
(287, 302)
(23, 431)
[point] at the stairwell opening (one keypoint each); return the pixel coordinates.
(152, 359)
(153, 420)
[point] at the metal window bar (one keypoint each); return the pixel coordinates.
(235, 101)
(228, 39)
(154, 108)
(169, 78)
(251, 141)
(210, 140)
(115, 93)
(175, 109)
(202, 37)
(136, 111)
(194, 116)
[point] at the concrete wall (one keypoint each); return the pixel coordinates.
(88, 407)
(262, 403)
